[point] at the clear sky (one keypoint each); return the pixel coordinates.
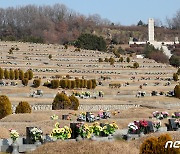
(125, 12)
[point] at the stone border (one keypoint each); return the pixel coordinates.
(85, 107)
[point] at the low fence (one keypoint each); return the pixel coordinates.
(84, 107)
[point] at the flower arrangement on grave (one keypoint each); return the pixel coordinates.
(110, 128)
(36, 134)
(87, 93)
(177, 115)
(100, 113)
(165, 114)
(82, 116)
(84, 130)
(132, 128)
(157, 115)
(137, 126)
(54, 117)
(97, 129)
(13, 134)
(157, 124)
(142, 125)
(76, 93)
(91, 117)
(61, 133)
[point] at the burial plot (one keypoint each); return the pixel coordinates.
(74, 129)
(149, 128)
(172, 125)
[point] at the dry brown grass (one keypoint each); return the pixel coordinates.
(87, 147)
(4, 133)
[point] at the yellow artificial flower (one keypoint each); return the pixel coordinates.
(69, 135)
(54, 130)
(100, 128)
(66, 127)
(58, 130)
(57, 125)
(62, 130)
(105, 127)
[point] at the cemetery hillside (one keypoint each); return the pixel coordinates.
(75, 84)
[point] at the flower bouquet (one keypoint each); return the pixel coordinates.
(97, 129)
(36, 134)
(176, 115)
(84, 130)
(158, 115)
(82, 116)
(165, 114)
(132, 128)
(54, 117)
(110, 128)
(61, 133)
(157, 124)
(13, 134)
(142, 125)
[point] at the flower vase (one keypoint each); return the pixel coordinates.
(37, 143)
(141, 134)
(157, 130)
(79, 138)
(93, 138)
(15, 147)
(128, 137)
(110, 137)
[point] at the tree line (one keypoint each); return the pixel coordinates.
(45, 24)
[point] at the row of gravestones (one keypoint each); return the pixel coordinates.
(27, 144)
(170, 126)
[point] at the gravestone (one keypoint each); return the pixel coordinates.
(87, 116)
(74, 129)
(29, 138)
(65, 117)
(172, 125)
(149, 128)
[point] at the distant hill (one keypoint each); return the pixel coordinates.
(58, 24)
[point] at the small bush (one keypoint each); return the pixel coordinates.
(5, 106)
(30, 72)
(136, 65)
(121, 59)
(36, 83)
(63, 84)
(100, 60)
(23, 107)
(74, 102)
(50, 56)
(89, 84)
(61, 101)
(21, 74)
(11, 74)
(177, 91)
(175, 77)
(1, 73)
(128, 59)
(6, 74)
(157, 145)
(54, 84)
(25, 81)
(16, 74)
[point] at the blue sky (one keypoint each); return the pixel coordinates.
(125, 12)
